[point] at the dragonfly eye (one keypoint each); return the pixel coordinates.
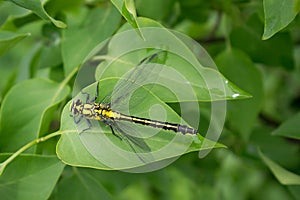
(74, 106)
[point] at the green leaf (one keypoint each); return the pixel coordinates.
(284, 176)
(9, 13)
(195, 10)
(37, 7)
(297, 5)
(286, 155)
(198, 81)
(276, 51)
(238, 68)
(30, 177)
(185, 56)
(290, 128)
(99, 148)
(23, 109)
(278, 14)
(80, 39)
(49, 56)
(10, 39)
(85, 184)
(294, 190)
(155, 9)
(127, 10)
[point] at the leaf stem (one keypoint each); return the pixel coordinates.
(25, 147)
(64, 83)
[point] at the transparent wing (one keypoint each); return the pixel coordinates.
(145, 72)
(136, 144)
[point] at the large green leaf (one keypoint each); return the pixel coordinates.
(278, 14)
(37, 7)
(99, 148)
(237, 67)
(284, 176)
(9, 39)
(80, 39)
(197, 83)
(30, 177)
(290, 128)
(23, 109)
(185, 56)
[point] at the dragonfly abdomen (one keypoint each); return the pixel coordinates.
(178, 128)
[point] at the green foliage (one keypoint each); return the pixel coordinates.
(242, 115)
(35, 177)
(83, 35)
(37, 8)
(284, 177)
(45, 44)
(289, 128)
(41, 96)
(276, 51)
(127, 9)
(278, 14)
(9, 39)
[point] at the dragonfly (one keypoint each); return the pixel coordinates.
(90, 110)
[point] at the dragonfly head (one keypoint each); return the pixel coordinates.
(75, 107)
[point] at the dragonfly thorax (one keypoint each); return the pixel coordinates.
(93, 110)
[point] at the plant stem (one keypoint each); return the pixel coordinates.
(27, 146)
(42, 139)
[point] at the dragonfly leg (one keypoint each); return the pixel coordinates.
(113, 132)
(148, 59)
(78, 119)
(88, 128)
(87, 97)
(96, 94)
(88, 100)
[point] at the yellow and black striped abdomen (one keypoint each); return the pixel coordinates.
(178, 128)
